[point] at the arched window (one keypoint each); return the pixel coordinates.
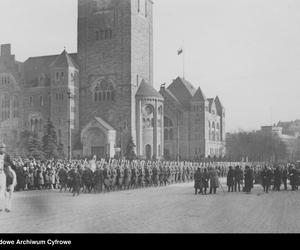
(213, 131)
(209, 130)
(104, 92)
(30, 101)
(40, 125)
(169, 129)
(15, 107)
(41, 101)
(218, 132)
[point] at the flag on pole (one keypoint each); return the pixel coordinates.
(180, 51)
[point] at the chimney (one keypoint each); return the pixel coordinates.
(5, 49)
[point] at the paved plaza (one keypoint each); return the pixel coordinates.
(173, 208)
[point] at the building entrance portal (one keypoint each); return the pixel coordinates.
(98, 138)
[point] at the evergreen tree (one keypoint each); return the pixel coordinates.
(34, 147)
(130, 153)
(50, 141)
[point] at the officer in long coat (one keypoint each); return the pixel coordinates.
(230, 179)
(277, 178)
(198, 181)
(266, 176)
(249, 177)
(284, 177)
(76, 181)
(213, 180)
(205, 180)
(238, 178)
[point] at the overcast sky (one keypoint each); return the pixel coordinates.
(245, 51)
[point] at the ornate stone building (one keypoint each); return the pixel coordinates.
(194, 126)
(98, 98)
(101, 96)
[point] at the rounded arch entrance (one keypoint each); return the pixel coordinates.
(95, 143)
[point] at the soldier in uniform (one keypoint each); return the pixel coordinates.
(249, 178)
(213, 180)
(76, 179)
(284, 177)
(198, 181)
(230, 179)
(205, 180)
(266, 176)
(293, 178)
(155, 176)
(238, 178)
(277, 178)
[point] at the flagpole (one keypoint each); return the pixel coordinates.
(183, 62)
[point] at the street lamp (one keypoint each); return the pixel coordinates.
(69, 125)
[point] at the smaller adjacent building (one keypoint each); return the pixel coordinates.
(194, 126)
(291, 139)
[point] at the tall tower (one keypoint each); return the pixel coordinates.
(115, 53)
(64, 111)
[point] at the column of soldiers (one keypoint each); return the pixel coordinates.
(113, 175)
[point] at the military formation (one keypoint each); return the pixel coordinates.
(83, 176)
(104, 176)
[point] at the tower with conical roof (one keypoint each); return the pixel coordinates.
(64, 105)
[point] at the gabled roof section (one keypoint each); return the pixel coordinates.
(146, 90)
(35, 66)
(199, 96)
(219, 106)
(168, 94)
(104, 123)
(182, 90)
(211, 102)
(64, 60)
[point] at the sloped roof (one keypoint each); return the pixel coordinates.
(218, 102)
(219, 106)
(35, 66)
(210, 101)
(146, 90)
(199, 96)
(104, 123)
(173, 97)
(182, 90)
(64, 60)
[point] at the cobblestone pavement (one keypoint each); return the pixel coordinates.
(166, 209)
